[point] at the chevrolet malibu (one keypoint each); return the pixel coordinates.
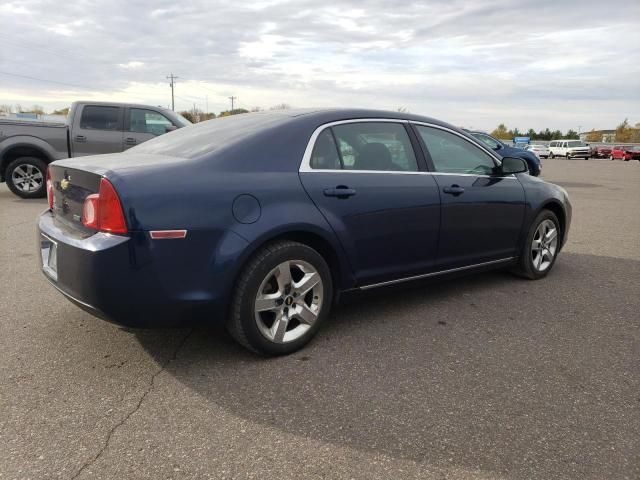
(263, 220)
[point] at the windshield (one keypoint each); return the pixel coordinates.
(576, 143)
(182, 120)
(487, 140)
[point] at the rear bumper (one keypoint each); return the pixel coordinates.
(137, 282)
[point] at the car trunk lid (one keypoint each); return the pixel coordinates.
(70, 189)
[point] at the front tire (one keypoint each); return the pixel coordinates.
(26, 177)
(541, 247)
(281, 298)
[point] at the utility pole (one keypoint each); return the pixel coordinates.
(173, 79)
(232, 98)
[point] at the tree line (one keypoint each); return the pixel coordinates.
(503, 133)
(624, 133)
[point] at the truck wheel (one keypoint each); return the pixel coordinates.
(551, 155)
(26, 177)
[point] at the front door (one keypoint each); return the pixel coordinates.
(365, 179)
(482, 214)
(98, 130)
(142, 124)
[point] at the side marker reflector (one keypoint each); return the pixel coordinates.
(167, 234)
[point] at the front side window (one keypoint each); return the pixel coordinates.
(96, 117)
(453, 154)
(148, 121)
(376, 146)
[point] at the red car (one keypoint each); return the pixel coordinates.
(601, 151)
(625, 153)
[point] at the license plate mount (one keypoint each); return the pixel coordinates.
(49, 255)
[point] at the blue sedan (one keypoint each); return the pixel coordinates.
(263, 220)
(533, 162)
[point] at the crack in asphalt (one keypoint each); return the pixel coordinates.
(136, 408)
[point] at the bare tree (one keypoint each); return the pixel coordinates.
(281, 106)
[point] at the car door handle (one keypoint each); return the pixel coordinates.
(341, 191)
(453, 190)
(130, 141)
(80, 138)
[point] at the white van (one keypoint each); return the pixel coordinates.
(569, 149)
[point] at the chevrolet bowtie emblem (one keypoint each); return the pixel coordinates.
(64, 184)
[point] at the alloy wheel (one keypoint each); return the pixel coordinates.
(544, 245)
(288, 301)
(27, 177)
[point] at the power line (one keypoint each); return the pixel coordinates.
(38, 48)
(45, 80)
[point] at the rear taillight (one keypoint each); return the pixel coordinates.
(49, 185)
(102, 211)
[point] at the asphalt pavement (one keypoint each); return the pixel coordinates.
(482, 377)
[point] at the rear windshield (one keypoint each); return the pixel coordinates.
(203, 138)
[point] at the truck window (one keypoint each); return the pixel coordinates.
(148, 121)
(96, 117)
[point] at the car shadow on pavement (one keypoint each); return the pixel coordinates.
(486, 372)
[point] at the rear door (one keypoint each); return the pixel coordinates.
(142, 124)
(367, 181)
(482, 213)
(97, 129)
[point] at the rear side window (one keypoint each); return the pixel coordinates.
(96, 117)
(325, 154)
(452, 154)
(376, 146)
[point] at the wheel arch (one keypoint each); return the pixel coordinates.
(21, 149)
(558, 210)
(341, 274)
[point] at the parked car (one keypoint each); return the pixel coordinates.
(533, 162)
(27, 147)
(260, 220)
(601, 151)
(540, 150)
(569, 149)
(625, 153)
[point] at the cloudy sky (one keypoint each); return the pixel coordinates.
(558, 64)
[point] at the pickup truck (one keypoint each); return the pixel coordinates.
(27, 147)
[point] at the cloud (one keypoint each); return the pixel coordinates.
(530, 63)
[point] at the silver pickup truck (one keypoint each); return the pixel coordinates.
(27, 147)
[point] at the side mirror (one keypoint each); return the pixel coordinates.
(170, 128)
(513, 165)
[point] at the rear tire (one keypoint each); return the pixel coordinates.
(281, 298)
(610, 157)
(26, 177)
(541, 247)
(551, 155)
